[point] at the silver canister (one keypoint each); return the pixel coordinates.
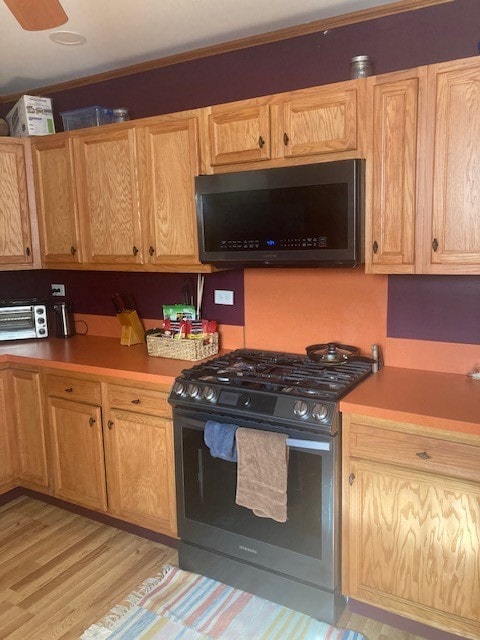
(360, 67)
(120, 114)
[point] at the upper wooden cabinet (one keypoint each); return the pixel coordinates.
(451, 242)
(392, 166)
(15, 232)
(107, 191)
(167, 149)
(423, 162)
(299, 126)
(56, 200)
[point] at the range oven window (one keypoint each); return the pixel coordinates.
(209, 498)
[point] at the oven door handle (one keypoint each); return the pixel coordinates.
(308, 444)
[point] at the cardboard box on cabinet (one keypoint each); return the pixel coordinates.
(31, 116)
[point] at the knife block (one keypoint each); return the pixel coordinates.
(132, 328)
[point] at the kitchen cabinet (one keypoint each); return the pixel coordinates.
(7, 448)
(28, 416)
(107, 192)
(139, 457)
(15, 232)
(167, 150)
(76, 437)
(309, 125)
(392, 166)
(411, 513)
(451, 242)
(56, 200)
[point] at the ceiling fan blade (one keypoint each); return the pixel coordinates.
(37, 15)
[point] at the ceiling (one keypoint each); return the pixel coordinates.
(123, 33)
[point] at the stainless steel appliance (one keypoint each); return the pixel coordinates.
(308, 215)
(295, 563)
(22, 319)
(64, 322)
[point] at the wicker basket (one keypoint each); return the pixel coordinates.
(184, 349)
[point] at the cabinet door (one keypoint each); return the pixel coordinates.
(452, 239)
(390, 245)
(77, 452)
(105, 167)
(7, 465)
(15, 232)
(319, 121)
(30, 428)
(168, 163)
(140, 470)
(56, 200)
(239, 132)
(414, 545)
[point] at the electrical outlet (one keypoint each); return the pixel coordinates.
(58, 289)
(221, 296)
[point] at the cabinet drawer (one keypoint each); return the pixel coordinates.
(413, 451)
(140, 400)
(74, 389)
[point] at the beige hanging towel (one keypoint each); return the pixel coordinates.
(262, 472)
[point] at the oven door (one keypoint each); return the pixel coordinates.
(305, 547)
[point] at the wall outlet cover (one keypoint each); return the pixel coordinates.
(220, 296)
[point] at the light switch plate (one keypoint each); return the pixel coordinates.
(220, 296)
(58, 289)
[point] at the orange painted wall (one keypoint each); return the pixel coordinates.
(288, 309)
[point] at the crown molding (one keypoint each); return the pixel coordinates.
(400, 6)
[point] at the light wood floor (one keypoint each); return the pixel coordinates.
(61, 572)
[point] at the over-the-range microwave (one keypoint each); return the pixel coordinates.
(309, 215)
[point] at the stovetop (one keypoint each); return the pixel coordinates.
(270, 384)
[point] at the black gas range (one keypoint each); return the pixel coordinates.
(291, 389)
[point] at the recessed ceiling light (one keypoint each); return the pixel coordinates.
(67, 37)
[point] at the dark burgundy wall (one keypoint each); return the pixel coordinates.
(445, 308)
(91, 291)
(424, 36)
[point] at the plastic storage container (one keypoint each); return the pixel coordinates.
(86, 117)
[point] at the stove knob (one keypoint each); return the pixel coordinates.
(320, 412)
(194, 391)
(244, 400)
(181, 389)
(209, 394)
(300, 409)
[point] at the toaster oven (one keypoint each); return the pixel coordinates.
(22, 319)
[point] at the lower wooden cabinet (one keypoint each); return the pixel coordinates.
(7, 452)
(27, 411)
(112, 448)
(77, 453)
(139, 456)
(411, 522)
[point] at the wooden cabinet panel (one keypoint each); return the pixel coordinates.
(30, 428)
(239, 133)
(105, 165)
(422, 453)
(15, 232)
(7, 461)
(168, 163)
(77, 452)
(390, 244)
(140, 470)
(410, 530)
(319, 121)
(452, 238)
(139, 400)
(72, 388)
(56, 200)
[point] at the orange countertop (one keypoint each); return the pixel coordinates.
(439, 400)
(94, 355)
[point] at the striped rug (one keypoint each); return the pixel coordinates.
(179, 605)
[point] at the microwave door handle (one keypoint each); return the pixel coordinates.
(308, 444)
